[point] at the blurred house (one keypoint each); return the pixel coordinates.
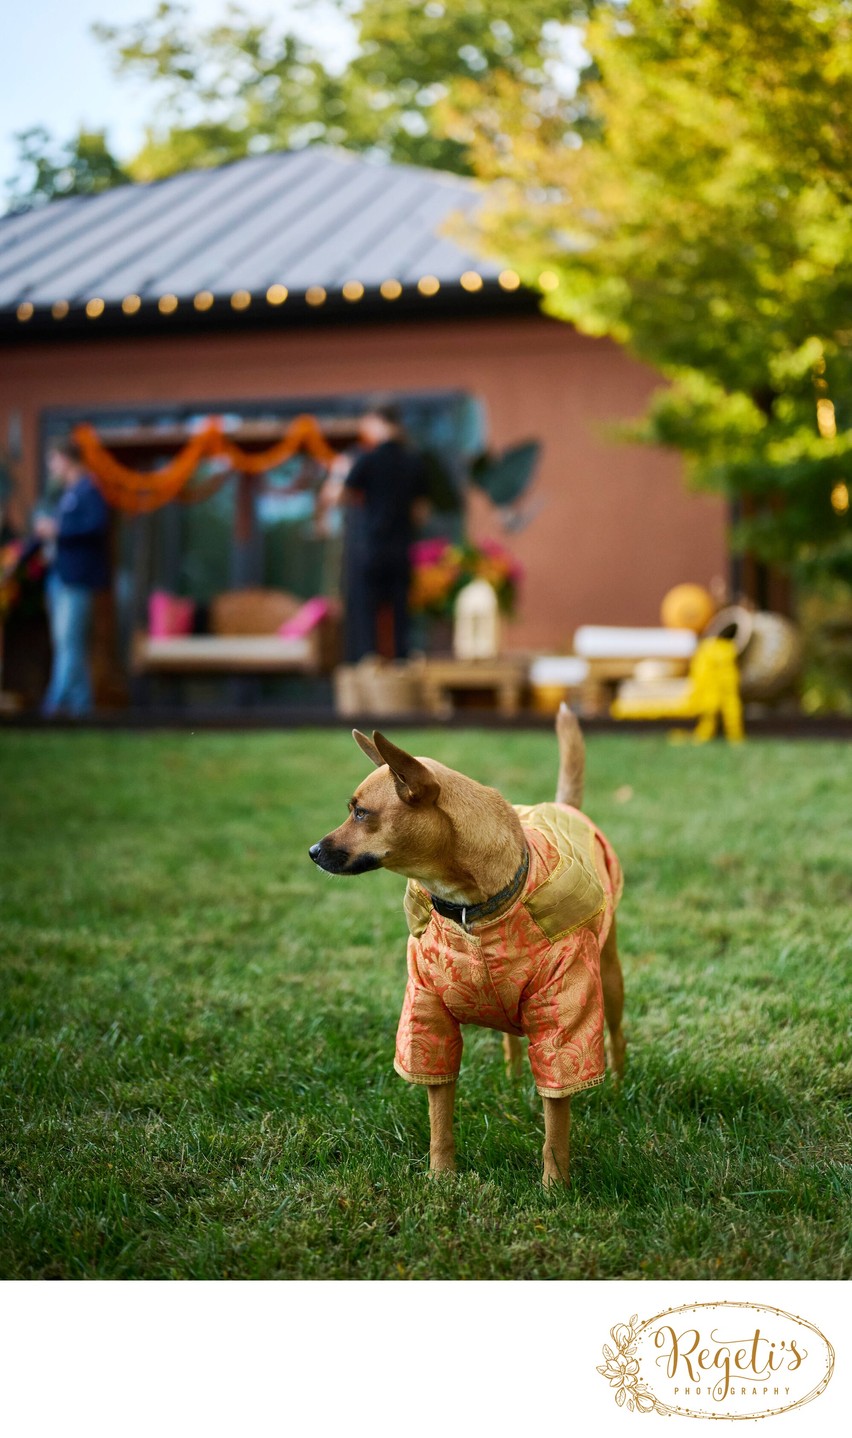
(319, 281)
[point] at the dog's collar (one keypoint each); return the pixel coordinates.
(467, 914)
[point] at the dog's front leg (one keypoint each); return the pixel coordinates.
(557, 1131)
(442, 1145)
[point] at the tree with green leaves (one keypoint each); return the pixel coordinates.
(241, 86)
(48, 169)
(418, 65)
(223, 91)
(702, 218)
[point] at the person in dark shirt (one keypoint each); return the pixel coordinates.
(79, 533)
(384, 493)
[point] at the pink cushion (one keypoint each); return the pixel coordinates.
(169, 616)
(312, 612)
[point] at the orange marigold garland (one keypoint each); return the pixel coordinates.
(304, 433)
(132, 489)
(139, 492)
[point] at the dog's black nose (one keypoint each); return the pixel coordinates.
(314, 852)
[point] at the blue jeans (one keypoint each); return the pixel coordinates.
(70, 611)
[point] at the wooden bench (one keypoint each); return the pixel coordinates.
(244, 640)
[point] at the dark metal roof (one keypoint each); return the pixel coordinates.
(311, 220)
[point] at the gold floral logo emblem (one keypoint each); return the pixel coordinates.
(717, 1360)
(622, 1370)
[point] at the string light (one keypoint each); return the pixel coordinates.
(25, 311)
(428, 285)
(167, 304)
(203, 300)
(315, 295)
(508, 279)
(390, 289)
(826, 422)
(131, 304)
(95, 308)
(353, 290)
(276, 294)
(59, 309)
(548, 280)
(240, 300)
(471, 281)
(827, 426)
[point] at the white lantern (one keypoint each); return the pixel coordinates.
(476, 626)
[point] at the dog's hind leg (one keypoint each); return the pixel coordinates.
(513, 1055)
(612, 983)
(572, 759)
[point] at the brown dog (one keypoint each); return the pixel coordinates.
(512, 920)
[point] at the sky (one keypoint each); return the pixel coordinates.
(57, 75)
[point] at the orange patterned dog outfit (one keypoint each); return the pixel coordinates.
(534, 971)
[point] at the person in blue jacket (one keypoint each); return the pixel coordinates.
(79, 533)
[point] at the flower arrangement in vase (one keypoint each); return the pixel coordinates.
(441, 569)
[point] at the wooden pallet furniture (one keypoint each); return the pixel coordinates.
(612, 653)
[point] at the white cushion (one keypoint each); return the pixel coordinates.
(226, 647)
(558, 669)
(660, 691)
(604, 641)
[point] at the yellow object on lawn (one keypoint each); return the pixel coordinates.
(710, 693)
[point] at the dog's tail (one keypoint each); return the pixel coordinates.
(572, 759)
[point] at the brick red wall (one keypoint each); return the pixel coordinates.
(616, 527)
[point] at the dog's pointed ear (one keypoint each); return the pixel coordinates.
(414, 783)
(368, 747)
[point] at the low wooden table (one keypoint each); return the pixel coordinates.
(441, 678)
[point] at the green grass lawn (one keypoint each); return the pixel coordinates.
(198, 1026)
